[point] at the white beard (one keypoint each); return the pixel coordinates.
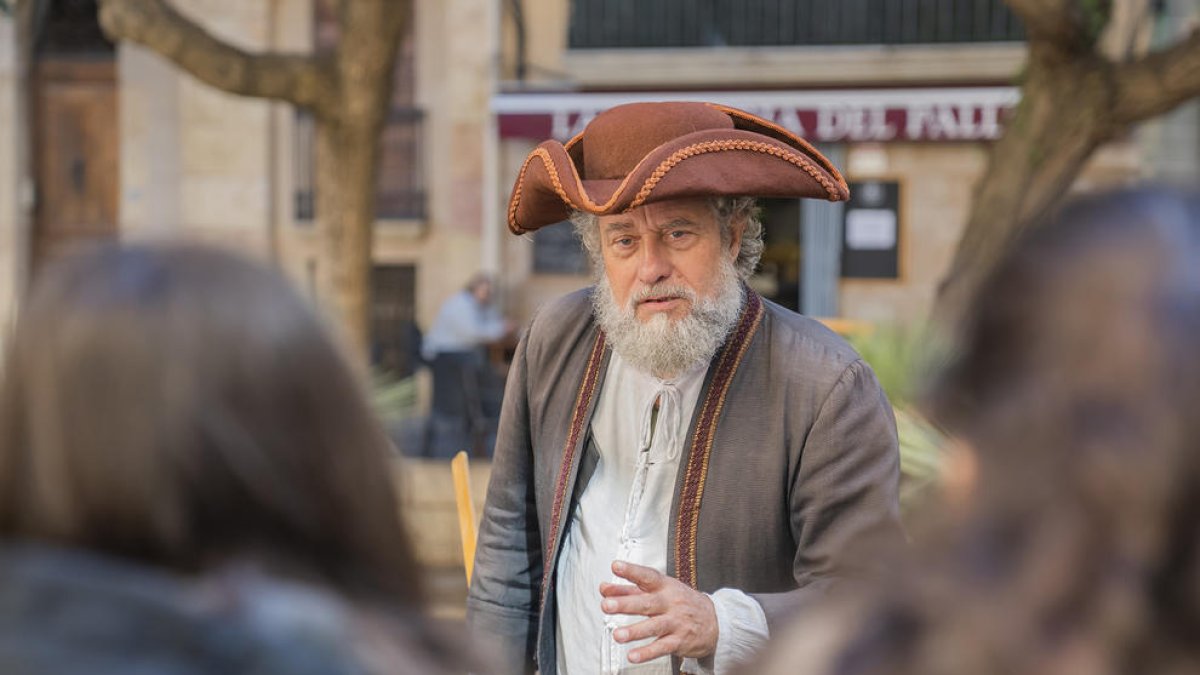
(660, 346)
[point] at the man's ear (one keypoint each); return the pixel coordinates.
(736, 228)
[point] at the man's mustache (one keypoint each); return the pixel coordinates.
(661, 291)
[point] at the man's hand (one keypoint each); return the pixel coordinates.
(684, 620)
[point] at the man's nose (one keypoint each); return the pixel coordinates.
(654, 265)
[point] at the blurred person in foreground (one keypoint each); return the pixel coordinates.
(1077, 548)
(680, 463)
(455, 347)
(191, 482)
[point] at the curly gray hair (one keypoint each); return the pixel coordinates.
(725, 209)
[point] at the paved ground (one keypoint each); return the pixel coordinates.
(447, 591)
(427, 503)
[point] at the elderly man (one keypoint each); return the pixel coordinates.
(680, 463)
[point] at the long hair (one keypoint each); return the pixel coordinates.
(1077, 388)
(183, 407)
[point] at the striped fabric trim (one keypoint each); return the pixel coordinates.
(583, 400)
(688, 518)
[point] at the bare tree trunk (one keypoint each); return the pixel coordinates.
(348, 161)
(349, 94)
(1073, 99)
(345, 216)
(1057, 126)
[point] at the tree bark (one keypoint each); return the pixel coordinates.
(348, 161)
(349, 94)
(1028, 171)
(1073, 100)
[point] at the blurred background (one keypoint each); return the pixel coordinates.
(127, 119)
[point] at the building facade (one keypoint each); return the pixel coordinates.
(905, 96)
(102, 141)
(105, 141)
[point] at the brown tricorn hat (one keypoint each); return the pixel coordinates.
(638, 153)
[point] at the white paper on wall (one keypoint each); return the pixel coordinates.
(871, 229)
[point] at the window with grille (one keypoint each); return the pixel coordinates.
(401, 190)
(616, 24)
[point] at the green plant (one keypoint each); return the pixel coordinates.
(921, 454)
(393, 398)
(902, 358)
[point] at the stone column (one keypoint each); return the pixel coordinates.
(14, 179)
(821, 247)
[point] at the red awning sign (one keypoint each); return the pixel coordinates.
(834, 116)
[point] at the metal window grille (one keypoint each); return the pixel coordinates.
(401, 192)
(606, 24)
(401, 188)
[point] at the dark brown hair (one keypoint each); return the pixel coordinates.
(1077, 387)
(183, 406)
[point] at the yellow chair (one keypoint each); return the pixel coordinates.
(847, 327)
(461, 470)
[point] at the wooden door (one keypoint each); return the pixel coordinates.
(75, 154)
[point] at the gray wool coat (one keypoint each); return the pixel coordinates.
(791, 463)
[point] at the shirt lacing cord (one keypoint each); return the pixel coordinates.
(666, 420)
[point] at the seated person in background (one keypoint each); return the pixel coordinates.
(467, 321)
(463, 411)
(192, 482)
(1077, 550)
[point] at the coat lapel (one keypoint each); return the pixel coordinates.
(585, 400)
(704, 428)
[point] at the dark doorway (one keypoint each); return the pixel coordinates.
(395, 338)
(778, 276)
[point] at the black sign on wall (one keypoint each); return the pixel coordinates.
(871, 231)
(556, 250)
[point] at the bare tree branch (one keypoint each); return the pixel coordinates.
(1049, 19)
(300, 79)
(1072, 101)
(1127, 31)
(1054, 25)
(1157, 82)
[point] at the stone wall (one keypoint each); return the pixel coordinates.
(197, 162)
(203, 164)
(426, 492)
(936, 182)
(455, 47)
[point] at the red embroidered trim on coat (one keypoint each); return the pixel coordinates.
(688, 518)
(583, 400)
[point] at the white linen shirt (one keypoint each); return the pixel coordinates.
(623, 514)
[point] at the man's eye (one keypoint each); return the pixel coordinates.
(624, 241)
(678, 234)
